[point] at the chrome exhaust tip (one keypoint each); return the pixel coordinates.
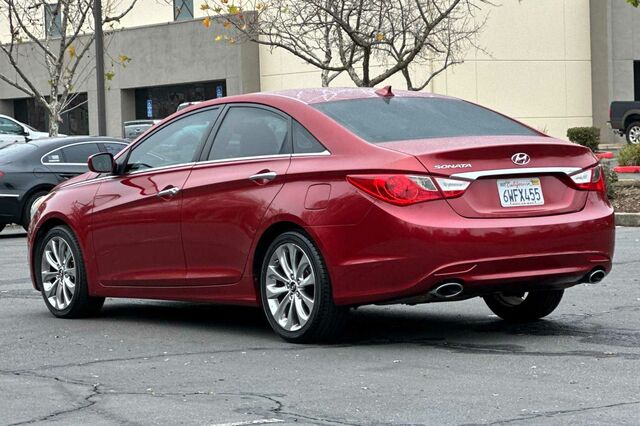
(448, 290)
(596, 276)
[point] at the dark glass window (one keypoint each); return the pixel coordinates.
(304, 142)
(75, 121)
(80, 153)
(250, 132)
(636, 80)
(175, 143)
(161, 101)
(113, 148)
(381, 120)
(10, 127)
(182, 10)
(52, 20)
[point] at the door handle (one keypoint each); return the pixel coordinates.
(168, 192)
(263, 176)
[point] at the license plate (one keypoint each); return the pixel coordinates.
(520, 192)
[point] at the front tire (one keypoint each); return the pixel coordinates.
(633, 133)
(296, 291)
(524, 307)
(60, 274)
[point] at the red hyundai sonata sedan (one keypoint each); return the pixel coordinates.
(309, 202)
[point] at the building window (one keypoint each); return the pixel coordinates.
(182, 10)
(636, 79)
(52, 20)
(75, 121)
(161, 101)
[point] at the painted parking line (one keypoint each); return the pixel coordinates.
(251, 422)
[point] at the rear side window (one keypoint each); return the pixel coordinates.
(53, 157)
(304, 142)
(250, 132)
(113, 148)
(79, 153)
(379, 120)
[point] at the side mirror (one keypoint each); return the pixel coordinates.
(102, 162)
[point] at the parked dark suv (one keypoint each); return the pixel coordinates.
(624, 118)
(28, 171)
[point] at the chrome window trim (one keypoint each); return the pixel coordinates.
(74, 144)
(153, 169)
(312, 154)
(238, 159)
(520, 171)
(9, 195)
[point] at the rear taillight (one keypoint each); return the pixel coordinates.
(404, 190)
(1, 173)
(590, 180)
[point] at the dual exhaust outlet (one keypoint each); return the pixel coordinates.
(451, 289)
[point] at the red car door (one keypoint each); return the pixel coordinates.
(136, 219)
(227, 195)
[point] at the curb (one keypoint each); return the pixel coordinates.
(608, 155)
(627, 219)
(627, 169)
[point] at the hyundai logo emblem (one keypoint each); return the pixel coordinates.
(521, 159)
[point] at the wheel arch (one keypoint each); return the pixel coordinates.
(630, 118)
(42, 230)
(270, 233)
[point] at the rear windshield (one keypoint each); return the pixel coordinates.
(392, 119)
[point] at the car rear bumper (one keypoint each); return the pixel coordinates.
(9, 208)
(402, 254)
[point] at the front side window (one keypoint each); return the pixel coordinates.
(174, 144)
(52, 20)
(9, 127)
(182, 10)
(379, 120)
(79, 154)
(250, 132)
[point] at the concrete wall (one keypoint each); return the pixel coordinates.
(170, 53)
(615, 44)
(538, 66)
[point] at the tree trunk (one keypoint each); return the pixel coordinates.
(54, 120)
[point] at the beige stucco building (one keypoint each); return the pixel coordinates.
(550, 63)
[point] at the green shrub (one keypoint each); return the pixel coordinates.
(629, 155)
(585, 136)
(610, 178)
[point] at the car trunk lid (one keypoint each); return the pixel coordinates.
(508, 176)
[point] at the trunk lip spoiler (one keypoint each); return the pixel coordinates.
(521, 171)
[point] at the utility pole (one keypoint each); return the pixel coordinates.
(99, 43)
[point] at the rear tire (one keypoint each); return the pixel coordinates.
(633, 133)
(60, 274)
(524, 307)
(296, 291)
(28, 205)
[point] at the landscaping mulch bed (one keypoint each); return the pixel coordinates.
(627, 199)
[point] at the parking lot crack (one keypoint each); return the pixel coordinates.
(549, 414)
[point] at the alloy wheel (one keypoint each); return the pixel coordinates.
(290, 286)
(634, 135)
(58, 272)
(512, 299)
(34, 207)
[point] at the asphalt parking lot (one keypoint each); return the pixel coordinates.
(147, 362)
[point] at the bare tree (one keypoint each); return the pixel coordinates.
(56, 37)
(370, 40)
